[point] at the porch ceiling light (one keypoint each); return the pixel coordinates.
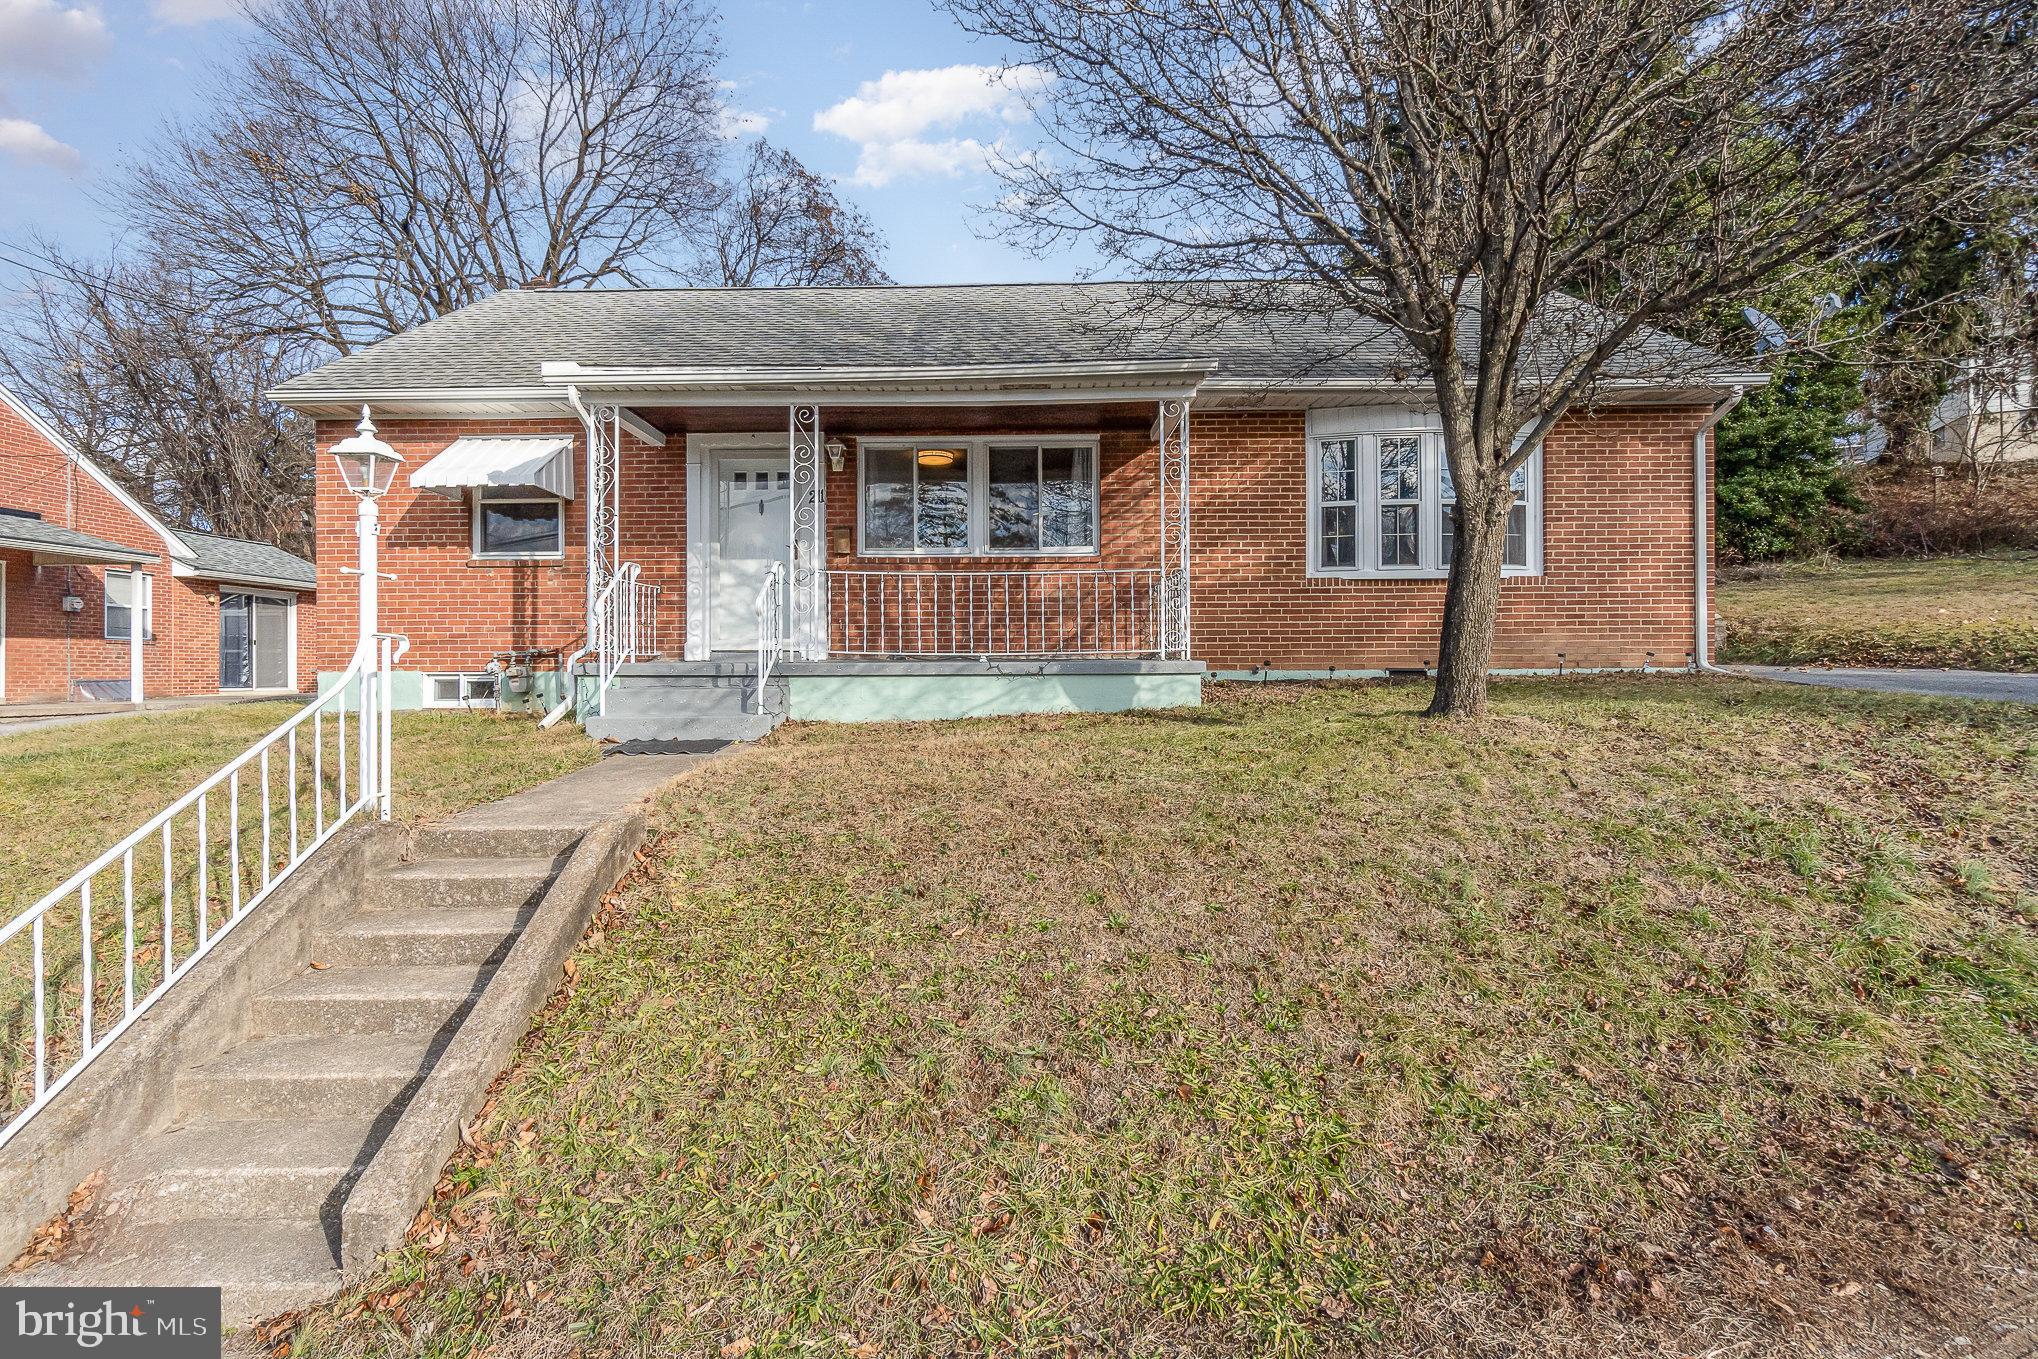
(367, 464)
(937, 457)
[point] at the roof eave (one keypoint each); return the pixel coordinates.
(188, 571)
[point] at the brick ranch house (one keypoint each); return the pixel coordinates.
(930, 501)
(218, 615)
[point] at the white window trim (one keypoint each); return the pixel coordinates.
(474, 501)
(465, 678)
(148, 608)
(1364, 426)
(979, 493)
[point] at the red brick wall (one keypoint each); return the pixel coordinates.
(459, 612)
(1617, 580)
(48, 650)
(1617, 555)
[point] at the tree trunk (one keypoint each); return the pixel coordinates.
(1471, 603)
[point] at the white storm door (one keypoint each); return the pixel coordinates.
(752, 530)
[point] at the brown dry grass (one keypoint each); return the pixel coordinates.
(1645, 1016)
(1975, 613)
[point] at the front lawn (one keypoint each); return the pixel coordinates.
(1644, 1016)
(68, 792)
(1972, 613)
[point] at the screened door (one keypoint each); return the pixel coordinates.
(272, 643)
(236, 642)
(254, 642)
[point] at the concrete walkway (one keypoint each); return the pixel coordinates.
(1981, 684)
(620, 779)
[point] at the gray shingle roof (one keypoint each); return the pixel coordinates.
(501, 341)
(218, 558)
(38, 535)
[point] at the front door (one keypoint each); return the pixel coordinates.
(753, 499)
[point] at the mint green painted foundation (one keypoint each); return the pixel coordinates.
(928, 698)
(407, 690)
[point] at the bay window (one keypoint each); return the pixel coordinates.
(978, 497)
(1383, 505)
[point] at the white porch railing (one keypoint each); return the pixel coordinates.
(1077, 613)
(625, 627)
(166, 893)
(771, 630)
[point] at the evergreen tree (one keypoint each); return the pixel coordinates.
(1782, 485)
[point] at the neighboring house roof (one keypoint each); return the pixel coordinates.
(206, 555)
(240, 559)
(91, 469)
(500, 343)
(55, 543)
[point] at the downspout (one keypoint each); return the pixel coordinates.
(566, 668)
(1701, 502)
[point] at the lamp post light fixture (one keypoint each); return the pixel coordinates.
(367, 467)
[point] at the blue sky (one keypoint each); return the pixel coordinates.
(872, 92)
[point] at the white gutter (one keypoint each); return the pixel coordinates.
(1701, 502)
(872, 376)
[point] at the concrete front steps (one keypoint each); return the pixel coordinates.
(688, 701)
(243, 1186)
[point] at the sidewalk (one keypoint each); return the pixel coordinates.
(587, 796)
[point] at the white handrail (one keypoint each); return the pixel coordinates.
(279, 834)
(622, 628)
(771, 637)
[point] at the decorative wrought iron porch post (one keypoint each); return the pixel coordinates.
(1174, 529)
(604, 425)
(809, 506)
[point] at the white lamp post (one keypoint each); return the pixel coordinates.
(367, 467)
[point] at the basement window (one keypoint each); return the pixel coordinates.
(477, 690)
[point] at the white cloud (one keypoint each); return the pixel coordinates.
(23, 140)
(899, 105)
(735, 124)
(186, 12)
(879, 163)
(888, 116)
(41, 37)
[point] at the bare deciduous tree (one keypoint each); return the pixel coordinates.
(376, 163)
(373, 164)
(1455, 171)
(781, 226)
(142, 376)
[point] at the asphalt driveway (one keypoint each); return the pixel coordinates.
(1983, 684)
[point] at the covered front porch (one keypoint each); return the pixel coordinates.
(934, 543)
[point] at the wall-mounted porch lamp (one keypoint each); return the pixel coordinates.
(367, 467)
(837, 451)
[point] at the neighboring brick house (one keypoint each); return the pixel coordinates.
(76, 551)
(976, 476)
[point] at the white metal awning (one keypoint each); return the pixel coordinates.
(542, 462)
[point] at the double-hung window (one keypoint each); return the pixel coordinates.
(991, 497)
(120, 606)
(1382, 504)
